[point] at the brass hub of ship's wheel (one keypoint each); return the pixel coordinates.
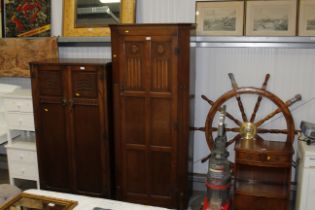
(249, 128)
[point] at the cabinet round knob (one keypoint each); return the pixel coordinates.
(268, 158)
(45, 109)
(114, 56)
(77, 94)
(126, 31)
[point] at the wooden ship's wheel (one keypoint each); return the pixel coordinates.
(249, 128)
(262, 167)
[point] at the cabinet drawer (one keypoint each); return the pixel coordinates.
(23, 171)
(84, 67)
(309, 161)
(264, 158)
(18, 105)
(22, 156)
(20, 121)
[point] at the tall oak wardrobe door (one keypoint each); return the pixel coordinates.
(52, 132)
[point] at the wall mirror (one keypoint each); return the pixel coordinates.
(92, 17)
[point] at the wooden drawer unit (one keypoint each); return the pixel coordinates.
(262, 174)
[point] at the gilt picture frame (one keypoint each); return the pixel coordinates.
(219, 18)
(127, 15)
(271, 18)
(26, 18)
(306, 18)
(33, 201)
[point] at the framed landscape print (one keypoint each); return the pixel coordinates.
(1, 18)
(307, 18)
(271, 18)
(216, 18)
(26, 18)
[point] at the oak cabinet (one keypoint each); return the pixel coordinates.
(72, 120)
(151, 106)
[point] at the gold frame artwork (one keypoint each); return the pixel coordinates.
(266, 18)
(36, 202)
(307, 18)
(211, 14)
(127, 8)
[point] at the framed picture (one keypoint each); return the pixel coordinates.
(271, 18)
(307, 18)
(92, 17)
(219, 18)
(26, 18)
(1, 13)
(32, 201)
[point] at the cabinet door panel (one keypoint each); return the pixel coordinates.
(84, 84)
(50, 82)
(133, 72)
(161, 164)
(88, 124)
(133, 120)
(135, 172)
(161, 122)
(53, 147)
(89, 154)
(161, 64)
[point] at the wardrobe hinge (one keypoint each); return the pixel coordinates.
(176, 125)
(177, 51)
(33, 74)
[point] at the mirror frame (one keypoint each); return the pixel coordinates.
(127, 15)
(68, 204)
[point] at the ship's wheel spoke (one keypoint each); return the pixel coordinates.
(227, 114)
(231, 141)
(278, 110)
(259, 99)
(274, 131)
(238, 97)
(198, 128)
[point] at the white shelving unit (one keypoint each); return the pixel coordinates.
(306, 177)
(21, 150)
(4, 89)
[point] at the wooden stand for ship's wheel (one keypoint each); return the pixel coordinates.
(262, 167)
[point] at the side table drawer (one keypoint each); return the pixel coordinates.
(21, 156)
(309, 161)
(18, 105)
(263, 158)
(20, 121)
(23, 170)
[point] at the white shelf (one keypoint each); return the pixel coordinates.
(208, 41)
(251, 41)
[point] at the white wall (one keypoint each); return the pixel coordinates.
(292, 70)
